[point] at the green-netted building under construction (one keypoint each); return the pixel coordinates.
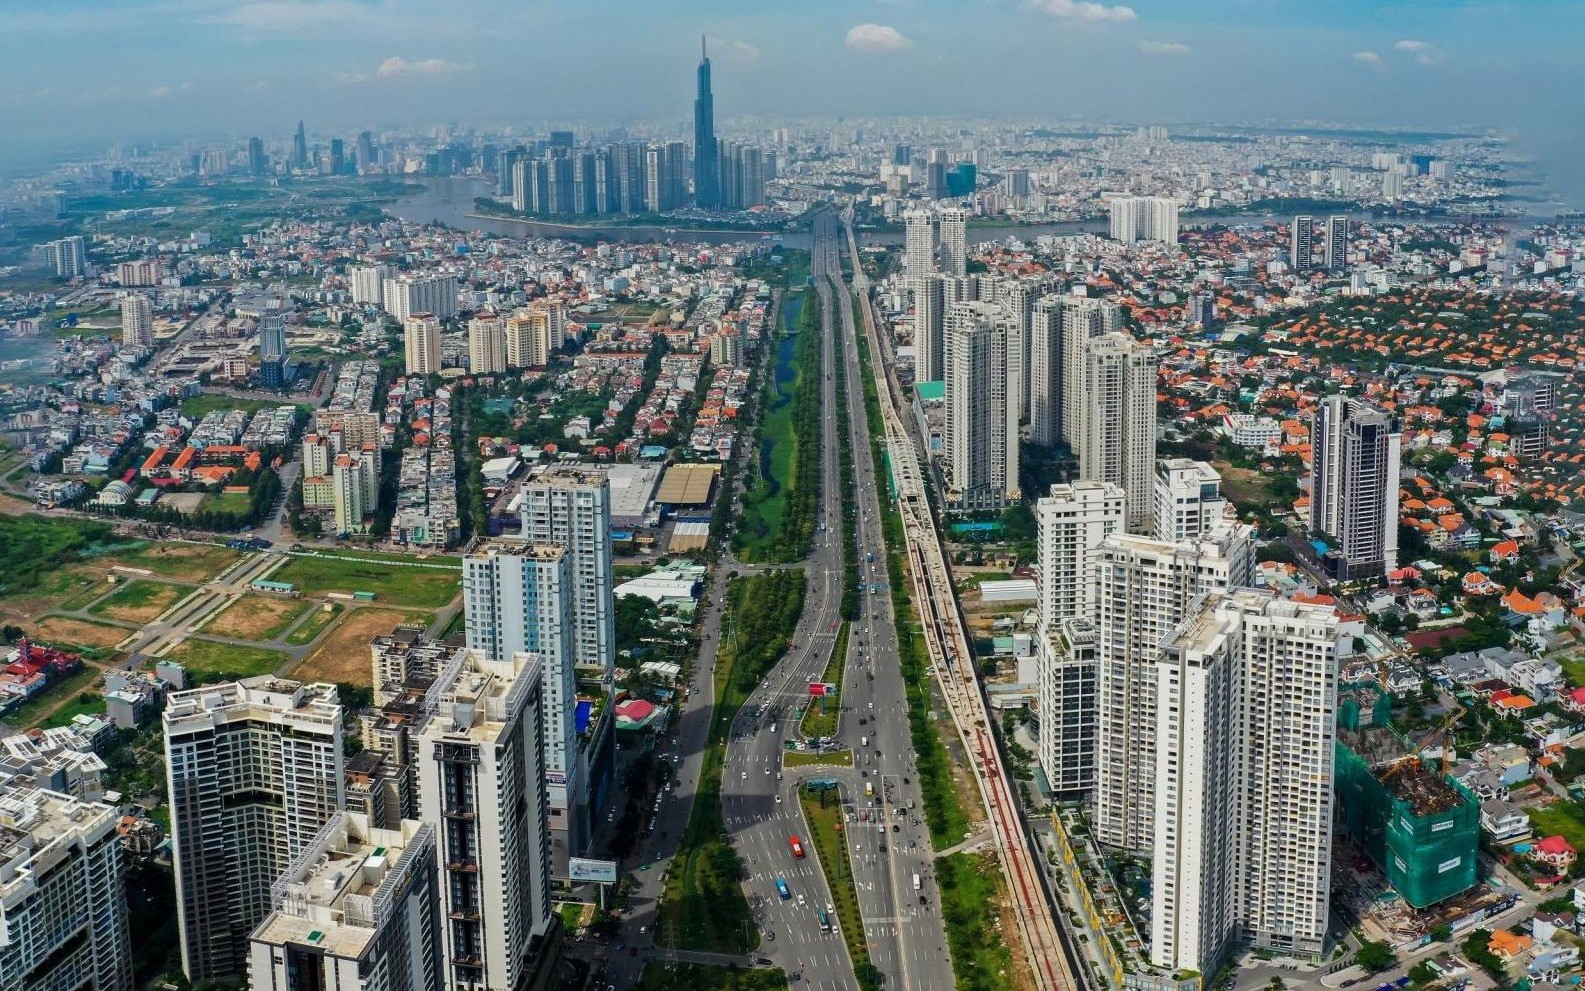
(1421, 827)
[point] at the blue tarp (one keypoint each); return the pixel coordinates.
(581, 718)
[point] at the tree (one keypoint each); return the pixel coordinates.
(1375, 956)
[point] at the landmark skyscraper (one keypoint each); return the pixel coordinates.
(706, 163)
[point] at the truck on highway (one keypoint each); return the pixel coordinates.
(797, 847)
(781, 889)
(825, 920)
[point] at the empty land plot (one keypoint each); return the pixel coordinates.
(344, 654)
(257, 617)
(315, 624)
(392, 584)
(139, 601)
(206, 660)
(189, 562)
(77, 632)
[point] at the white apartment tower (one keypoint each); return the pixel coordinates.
(421, 344)
(487, 344)
(1117, 437)
(1083, 320)
(63, 904)
(137, 321)
(355, 490)
(1045, 371)
(480, 780)
(919, 242)
(1073, 520)
(1144, 218)
(572, 507)
(982, 410)
(929, 327)
(1144, 588)
(1187, 499)
(1356, 452)
(1246, 698)
(1017, 299)
(406, 295)
(254, 769)
(358, 910)
(368, 283)
(954, 241)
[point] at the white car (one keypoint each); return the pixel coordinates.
(745, 775)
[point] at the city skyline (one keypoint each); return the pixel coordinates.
(207, 66)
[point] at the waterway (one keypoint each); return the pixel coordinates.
(449, 201)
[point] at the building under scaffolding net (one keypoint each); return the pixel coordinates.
(1420, 827)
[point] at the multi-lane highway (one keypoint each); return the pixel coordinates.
(1045, 944)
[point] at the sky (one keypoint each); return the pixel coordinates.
(83, 73)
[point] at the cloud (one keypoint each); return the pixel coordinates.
(876, 38)
(1163, 48)
(312, 18)
(1082, 10)
(397, 67)
(1424, 52)
(742, 50)
(1367, 57)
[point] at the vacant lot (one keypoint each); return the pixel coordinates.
(257, 617)
(208, 661)
(76, 632)
(189, 562)
(139, 601)
(344, 654)
(397, 585)
(315, 624)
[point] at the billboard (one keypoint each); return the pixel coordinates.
(602, 871)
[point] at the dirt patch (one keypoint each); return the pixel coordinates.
(60, 629)
(343, 654)
(1023, 977)
(256, 617)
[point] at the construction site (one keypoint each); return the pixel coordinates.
(1400, 808)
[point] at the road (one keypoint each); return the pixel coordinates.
(1046, 944)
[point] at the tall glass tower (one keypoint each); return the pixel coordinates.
(706, 166)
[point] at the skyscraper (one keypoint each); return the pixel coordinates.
(408, 294)
(366, 152)
(1336, 243)
(68, 256)
(421, 344)
(919, 242)
(1117, 436)
(1354, 470)
(1016, 297)
(706, 163)
(954, 241)
(1083, 320)
(368, 283)
(1072, 520)
(486, 343)
(254, 770)
(272, 344)
(929, 326)
(1301, 248)
(300, 148)
(572, 507)
(1144, 218)
(982, 410)
(1187, 497)
(137, 321)
(257, 163)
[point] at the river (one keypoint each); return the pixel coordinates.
(449, 201)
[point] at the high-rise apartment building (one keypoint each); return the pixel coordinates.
(529, 342)
(1144, 218)
(487, 344)
(1044, 371)
(1072, 520)
(272, 344)
(257, 163)
(68, 256)
(480, 780)
(571, 506)
(954, 241)
(919, 242)
(1337, 239)
(139, 273)
(982, 409)
(1117, 436)
(1143, 590)
(1354, 469)
(706, 159)
(421, 344)
(63, 904)
(355, 490)
(1016, 297)
(368, 283)
(406, 295)
(929, 327)
(1245, 702)
(137, 321)
(1301, 244)
(1187, 500)
(357, 910)
(254, 769)
(1083, 320)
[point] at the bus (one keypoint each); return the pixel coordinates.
(797, 847)
(825, 920)
(781, 889)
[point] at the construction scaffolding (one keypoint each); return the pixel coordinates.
(1421, 827)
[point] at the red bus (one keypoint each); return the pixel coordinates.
(797, 847)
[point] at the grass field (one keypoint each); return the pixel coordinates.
(425, 588)
(208, 661)
(834, 758)
(85, 704)
(1564, 818)
(257, 617)
(825, 830)
(138, 601)
(660, 975)
(189, 562)
(228, 502)
(197, 406)
(971, 890)
(315, 624)
(31, 713)
(65, 630)
(344, 654)
(821, 719)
